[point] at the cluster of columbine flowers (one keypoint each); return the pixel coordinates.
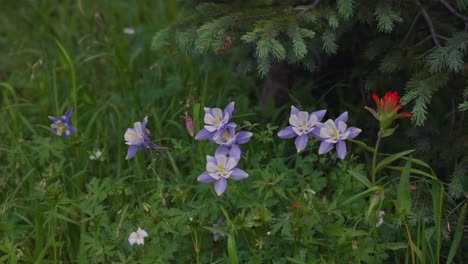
(220, 130)
(223, 165)
(304, 126)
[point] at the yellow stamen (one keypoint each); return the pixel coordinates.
(226, 136)
(336, 133)
(221, 168)
(133, 135)
(61, 127)
(217, 121)
(304, 124)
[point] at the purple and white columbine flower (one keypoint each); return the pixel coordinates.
(230, 141)
(62, 126)
(302, 124)
(215, 122)
(219, 224)
(137, 137)
(220, 168)
(336, 132)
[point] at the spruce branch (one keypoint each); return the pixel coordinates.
(454, 11)
(429, 24)
(411, 28)
(305, 8)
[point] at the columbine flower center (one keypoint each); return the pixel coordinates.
(61, 127)
(226, 136)
(304, 124)
(336, 133)
(133, 135)
(217, 120)
(221, 169)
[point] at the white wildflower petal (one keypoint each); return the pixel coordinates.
(342, 127)
(294, 121)
(345, 135)
(303, 117)
(217, 113)
(230, 164)
(209, 119)
(313, 120)
(298, 130)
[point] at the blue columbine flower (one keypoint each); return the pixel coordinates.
(230, 142)
(61, 126)
(219, 225)
(215, 122)
(220, 168)
(302, 124)
(137, 137)
(335, 132)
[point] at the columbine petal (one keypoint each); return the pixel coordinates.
(294, 121)
(287, 132)
(205, 178)
(235, 152)
(353, 132)
(52, 118)
(303, 117)
(325, 147)
(204, 134)
(341, 149)
(220, 186)
(209, 119)
(132, 150)
(231, 162)
(243, 137)
(294, 110)
(343, 118)
(222, 150)
(229, 109)
(301, 142)
(72, 129)
(319, 114)
(238, 174)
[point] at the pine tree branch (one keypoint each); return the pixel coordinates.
(454, 11)
(411, 29)
(305, 8)
(429, 24)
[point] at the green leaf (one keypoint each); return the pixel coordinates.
(388, 132)
(361, 178)
(414, 171)
(388, 160)
(437, 200)
(368, 192)
(363, 145)
(395, 246)
(232, 250)
(458, 235)
(403, 191)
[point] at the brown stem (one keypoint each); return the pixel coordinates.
(305, 8)
(454, 11)
(431, 26)
(411, 29)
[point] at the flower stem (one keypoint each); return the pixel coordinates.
(374, 158)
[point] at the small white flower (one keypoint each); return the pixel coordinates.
(129, 31)
(380, 221)
(268, 233)
(138, 237)
(95, 155)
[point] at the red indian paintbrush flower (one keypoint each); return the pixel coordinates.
(387, 109)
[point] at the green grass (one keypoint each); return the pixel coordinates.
(58, 206)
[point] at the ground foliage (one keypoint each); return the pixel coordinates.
(58, 205)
